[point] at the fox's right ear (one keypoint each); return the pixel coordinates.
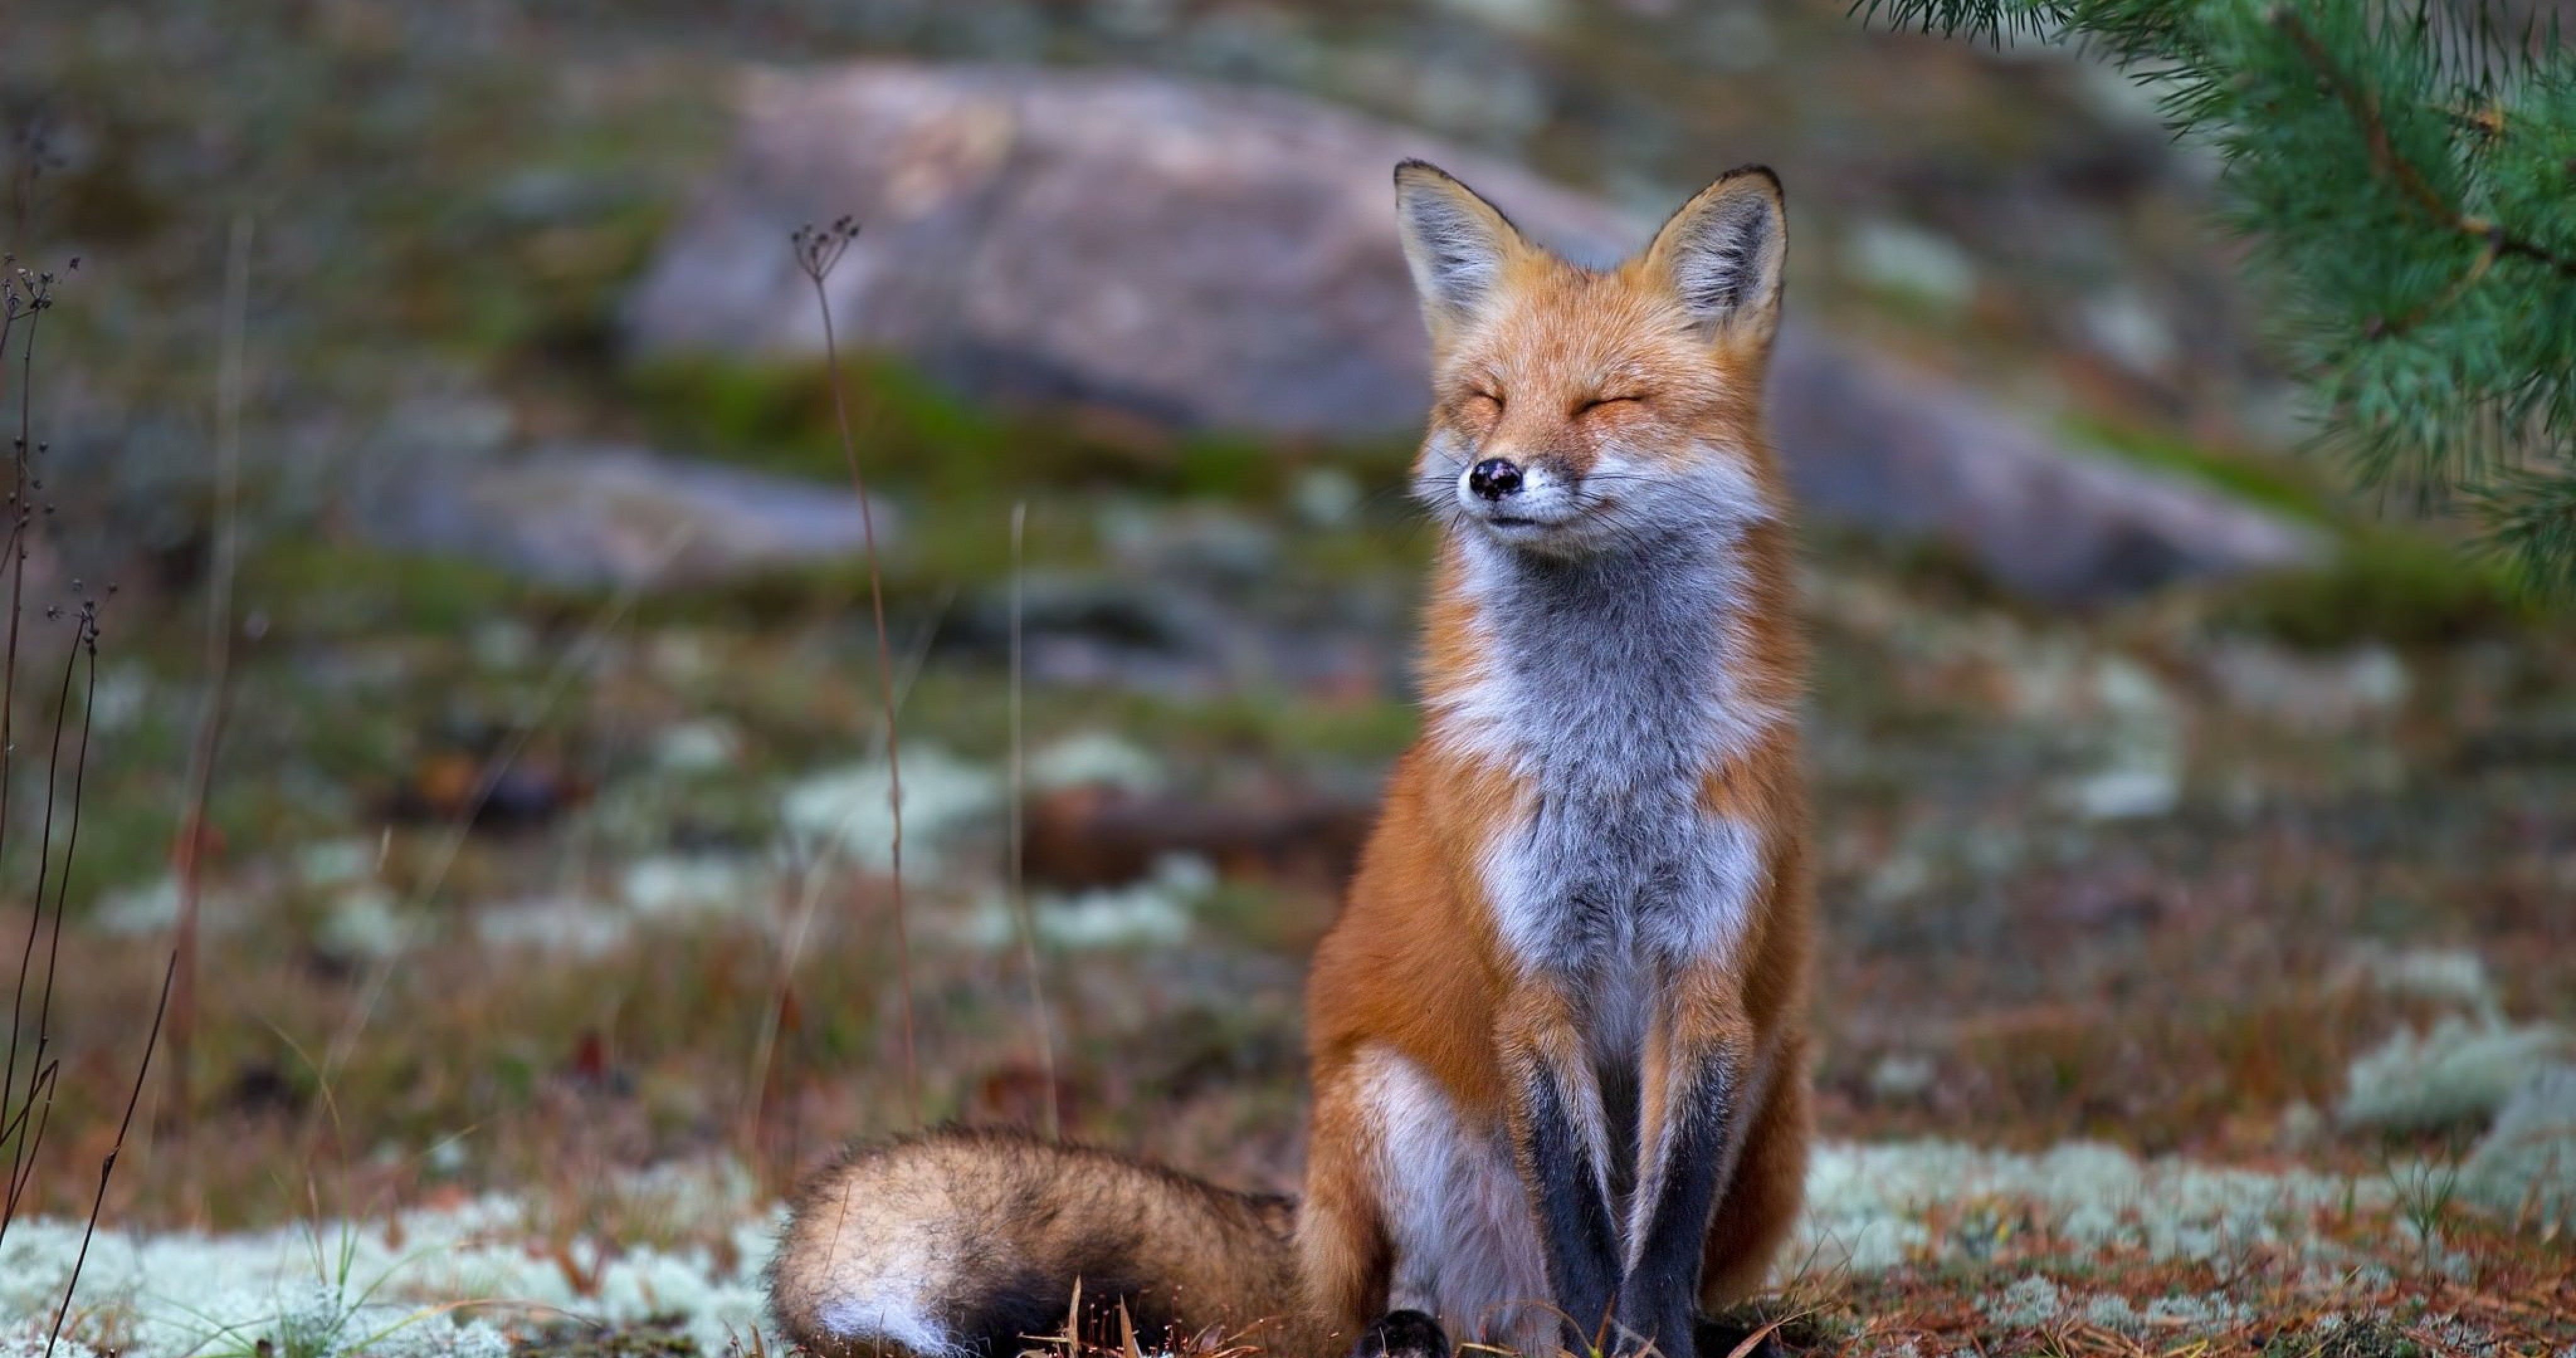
(1721, 255)
(1457, 244)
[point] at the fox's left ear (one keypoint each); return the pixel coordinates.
(1458, 246)
(1721, 254)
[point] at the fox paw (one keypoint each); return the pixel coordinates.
(1402, 1334)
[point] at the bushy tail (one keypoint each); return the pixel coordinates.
(970, 1243)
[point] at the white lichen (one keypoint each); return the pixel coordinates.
(2142, 738)
(2452, 976)
(1155, 911)
(31, 1342)
(2027, 1304)
(425, 1284)
(697, 747)
(1901, 1076)
(1094, 759)
(674, 887)
(363, 923)
(337, 862)
(2525, 1167)
(1868, 1205)
(570, 925)
(153, 908)
(1871, 1208)
(848, 811)
(2456, 1074)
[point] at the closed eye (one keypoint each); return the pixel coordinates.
(1598, 402)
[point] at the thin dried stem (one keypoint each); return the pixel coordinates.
(1020, 908)
(818, 251)
(187, 852)
(31, 1136)
(816, 879)
(29, 294)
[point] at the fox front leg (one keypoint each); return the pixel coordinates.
(1696, 1081)
(1560, 1141)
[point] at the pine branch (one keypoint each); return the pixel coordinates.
(2405, 173)
(2364, 107)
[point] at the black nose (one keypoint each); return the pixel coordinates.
(1494, 478)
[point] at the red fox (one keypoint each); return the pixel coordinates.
(1557, 1034)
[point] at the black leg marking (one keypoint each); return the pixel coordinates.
(1402, 1334)
(1658, 1299)
(1582, 1242)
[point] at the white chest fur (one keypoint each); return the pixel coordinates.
(1607, 689)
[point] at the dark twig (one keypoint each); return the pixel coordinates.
(85, 645)
(107, 1165)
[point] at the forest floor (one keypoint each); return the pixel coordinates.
(2197, 974)
(2175, 976)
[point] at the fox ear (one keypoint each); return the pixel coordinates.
(1456, 243)
(1721, 255)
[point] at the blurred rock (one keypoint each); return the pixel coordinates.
(607, 515)
(1872, 443)
(1226, 258)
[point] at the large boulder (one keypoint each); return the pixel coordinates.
(607, 515)
(1222, 258)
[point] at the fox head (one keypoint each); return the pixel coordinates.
(1576, 409)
